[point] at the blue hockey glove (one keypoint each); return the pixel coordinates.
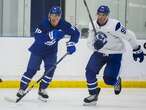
(56, 34)
(100, 40)
(70, 47)
(138, 53)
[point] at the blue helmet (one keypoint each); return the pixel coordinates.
(103, 9)
(55, 10)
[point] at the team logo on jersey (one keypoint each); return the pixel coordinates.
(50, 43)
(102, 37)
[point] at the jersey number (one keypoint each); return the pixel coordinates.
(123, 30)
(38, 31)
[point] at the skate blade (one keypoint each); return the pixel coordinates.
(90, 104)
(43, 99)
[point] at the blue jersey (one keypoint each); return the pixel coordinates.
(39, 46)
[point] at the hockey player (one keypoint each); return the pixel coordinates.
(45, 48)
(108, 47)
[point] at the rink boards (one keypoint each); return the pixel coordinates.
(75, 84)
(70, 73)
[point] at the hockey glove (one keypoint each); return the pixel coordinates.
(138, 53)
(100, 40)
(70, 47)
(56, 35)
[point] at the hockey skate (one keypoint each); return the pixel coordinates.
(43, 96)
(92, 99)
(118, 87)
(14, 98)
(20, 93)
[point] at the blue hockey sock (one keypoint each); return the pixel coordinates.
(45, 82)
(92, 87)
(26, 78)
(24, 82)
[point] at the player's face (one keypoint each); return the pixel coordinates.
(102, 18)
(54, 19)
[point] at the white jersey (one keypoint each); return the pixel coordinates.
(115, 32)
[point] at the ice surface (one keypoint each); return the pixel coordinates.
(72, 99)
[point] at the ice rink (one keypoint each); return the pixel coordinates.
(72, 99)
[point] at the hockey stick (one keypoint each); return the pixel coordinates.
(30, 88)
(94, 29)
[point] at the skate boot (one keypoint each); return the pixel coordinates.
(13, 98)
(92, 99)
(20, 93)
(43, 96)
(118, 87)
